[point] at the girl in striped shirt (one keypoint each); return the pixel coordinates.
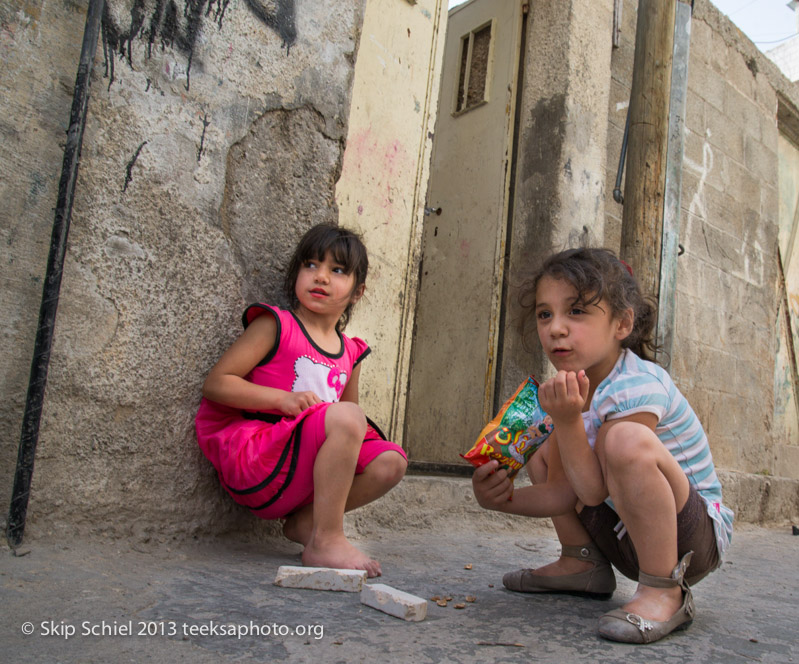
(627, 475)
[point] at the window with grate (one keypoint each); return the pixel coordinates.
(473, 76)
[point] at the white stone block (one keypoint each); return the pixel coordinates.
(394, 602)
(320, 578)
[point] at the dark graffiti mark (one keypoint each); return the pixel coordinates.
(129, 167)
(168, 27)
(201, 149)
(281, 20)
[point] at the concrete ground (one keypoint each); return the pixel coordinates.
(124, 601)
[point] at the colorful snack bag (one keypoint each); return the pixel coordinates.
(513, 436)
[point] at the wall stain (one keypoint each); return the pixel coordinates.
(541, 151)
(281, 20)
(37, 188)
(168, 26)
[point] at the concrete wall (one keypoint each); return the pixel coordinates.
(560, 193)
(212, 142)
(35, 95)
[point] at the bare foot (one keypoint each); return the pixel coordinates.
(298, 526)
(655, 603)
(337, 551)
(563, 566)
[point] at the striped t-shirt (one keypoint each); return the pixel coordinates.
(637, 386)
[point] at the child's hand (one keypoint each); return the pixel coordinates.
(491, 487)
(293, 403)
(563, 397)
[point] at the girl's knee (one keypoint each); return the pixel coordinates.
(387, 469)
(628, 443)
(346, 418)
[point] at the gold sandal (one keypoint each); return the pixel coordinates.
(619, 625)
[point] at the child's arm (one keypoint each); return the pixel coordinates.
(494, 490)
(225, 383)
(563, 398)
(350, 392)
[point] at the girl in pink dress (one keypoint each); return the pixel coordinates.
(280, 419)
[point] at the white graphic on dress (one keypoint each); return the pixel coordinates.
(324, 381)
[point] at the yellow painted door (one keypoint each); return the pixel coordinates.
(455, 341)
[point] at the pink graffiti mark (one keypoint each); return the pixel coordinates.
(359, 150)
(466, 248)
(392, 156)
(380, 164)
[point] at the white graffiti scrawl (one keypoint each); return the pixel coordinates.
(747, 263)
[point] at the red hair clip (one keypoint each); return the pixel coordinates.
(629, 269)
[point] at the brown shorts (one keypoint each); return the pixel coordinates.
(694, 533)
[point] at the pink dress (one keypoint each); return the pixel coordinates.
(265, 459)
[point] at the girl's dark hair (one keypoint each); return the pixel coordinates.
(343, 245)
(597, 274)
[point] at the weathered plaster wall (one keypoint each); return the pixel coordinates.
(214, 139)
(559, 186)
(35, 97)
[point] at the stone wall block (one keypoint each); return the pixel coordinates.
(786, 458)
(695, 113)
(760, 159)
(742, 72)
(703, 82)
(743, 113)
(724, 136)
(701, 45)
(760, 498)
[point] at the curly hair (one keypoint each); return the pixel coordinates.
(343, 245)
(597, 274)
